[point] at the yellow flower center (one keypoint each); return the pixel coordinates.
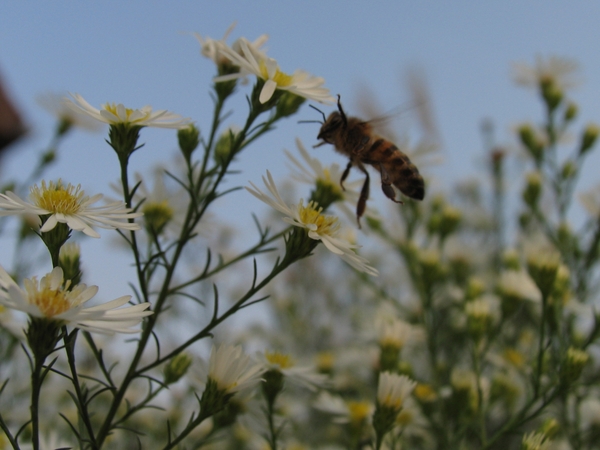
(311, 214)
(50, 302)
(325, 361)
(112, 108)
(157, 214)
(358, 411)
(281, 78)
(57, 198)
(282, 360)
(515, 357)
(425, 393)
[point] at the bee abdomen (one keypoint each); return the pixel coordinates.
(405, 176)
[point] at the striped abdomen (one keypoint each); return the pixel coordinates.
(385, 156)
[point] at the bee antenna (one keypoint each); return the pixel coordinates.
(322, 113)
(310, 121)
(342, 113)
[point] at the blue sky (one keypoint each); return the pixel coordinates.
(140, 53)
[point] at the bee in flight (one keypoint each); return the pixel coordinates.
(356, 139)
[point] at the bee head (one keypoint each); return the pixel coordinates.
(330, 127)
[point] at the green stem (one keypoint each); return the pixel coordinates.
(36, 387)
(69, 341)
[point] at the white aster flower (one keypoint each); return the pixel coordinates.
(48, 298)
(393, 389)
(518, 284)
(561, 71)
(283, 363)
(213, 49)
(69, 204)
(252, 61)
(116, 114)
(54, 104)
(535, 441)
(231, 370)
(319, 227)
(313, 172)
(393, 332)
(354, 412)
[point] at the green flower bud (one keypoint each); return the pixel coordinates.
(479, 318)
(550, 428)
(475, 288)
(272, 385)
(70, 262)
(288, 104)
(569, 170)
(157, 216)
(551, 93)
(533, 189)
(189, 139)
(590, 135)
(449, 220)
(571, 112)
(543, 267)
(224, 145)
(573, 365)
(177, 368)
(510, 260)
(531, 141)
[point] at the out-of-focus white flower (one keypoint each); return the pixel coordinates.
(355, 412)
(54, 104)
(306, 376)
(213, 49)
(69, 204)
(535, 441)
(252, 61)
(49, 299)
(561, 71)
(319, 227)
(231, 369)
(393, 389)
(518, 284)
(116, 114)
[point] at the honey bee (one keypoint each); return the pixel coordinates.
(356, 139)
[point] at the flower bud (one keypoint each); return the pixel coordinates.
(510, 260)
(157, 216)
(551, 93)
(533, 189)
(571, 112)
(449, 220)
(573, 365)
(288, 104)
(70, 263)
(543, 267)
(531, 141)
(590, 135)
(569, 170)
(189, 139)
(176, 368)
(475, 288)
(224, 145)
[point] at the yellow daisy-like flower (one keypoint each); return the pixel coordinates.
(319, 227)
(48, 298)
(115, 114)
(60, 203)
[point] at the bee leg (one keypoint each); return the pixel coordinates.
(386, 185)
(364, 195)
(345, 174)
